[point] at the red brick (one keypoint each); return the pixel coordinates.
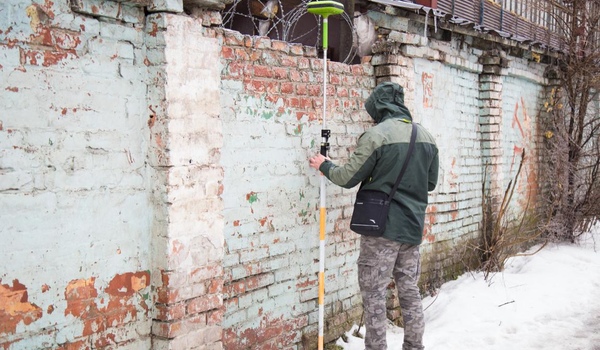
(227, 53)
(167, 295)
(256, 86)
(242, 54)
(287, 88)
(203, 303)
(301, 89)
(215, 318)
(289, 62)
(263, 72)
(170, 312)
(295, 76)
(306, 103)
(233, 38)
(215, 286)
(167, 329)
(280, 73)
(205, 272)
(314, 90)
(296, 49)
(278, 45)
(342, 92)
(259, 281)
(303, 63)
(232, 302)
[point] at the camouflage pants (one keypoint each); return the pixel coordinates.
(379, 259)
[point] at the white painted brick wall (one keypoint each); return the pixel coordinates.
(147, 150)
(73, 178)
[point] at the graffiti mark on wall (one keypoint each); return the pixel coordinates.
(524, 129)
(251, 197)
(521, 123)
(427, 81)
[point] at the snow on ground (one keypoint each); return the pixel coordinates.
(549, 300)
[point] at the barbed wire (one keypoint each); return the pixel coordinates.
(271, 18)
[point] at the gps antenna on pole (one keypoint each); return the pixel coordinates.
(323, 9)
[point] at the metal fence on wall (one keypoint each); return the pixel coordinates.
(525, 20)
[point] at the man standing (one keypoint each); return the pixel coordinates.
(376, 163)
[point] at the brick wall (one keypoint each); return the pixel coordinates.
(481, 105)
(272, 103)
(154, 185)
(75, 252)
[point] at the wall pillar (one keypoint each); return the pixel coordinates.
(490, 123)
(185, 142)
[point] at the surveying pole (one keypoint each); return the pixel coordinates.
(323, 9)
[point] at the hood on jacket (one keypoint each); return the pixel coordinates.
(387, 100)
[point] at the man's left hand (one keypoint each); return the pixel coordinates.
(316, 160)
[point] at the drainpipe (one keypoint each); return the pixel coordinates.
(481, 11)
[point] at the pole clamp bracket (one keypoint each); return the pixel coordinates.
(325, 134)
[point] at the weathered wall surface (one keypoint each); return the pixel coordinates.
(154, 184)
(481, 104)
(185, 150)
(523, 96)
(272, 106)
(75, 252)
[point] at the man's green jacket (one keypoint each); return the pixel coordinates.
(379, 156)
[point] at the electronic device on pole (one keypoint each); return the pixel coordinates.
(323, 9)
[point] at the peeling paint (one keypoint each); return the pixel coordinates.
(82, 298)
(45, 58)
(277, 331)
(154, 29)
(15, 307)
(430, 220)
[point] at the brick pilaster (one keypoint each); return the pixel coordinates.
(184, 153)
(490, 121)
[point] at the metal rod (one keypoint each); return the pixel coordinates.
(323, 194)
(324, 9)
(325, 133)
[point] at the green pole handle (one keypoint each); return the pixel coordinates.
(325, 32)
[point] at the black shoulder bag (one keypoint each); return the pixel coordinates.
(372, 206)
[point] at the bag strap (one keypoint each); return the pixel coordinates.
(411, 147)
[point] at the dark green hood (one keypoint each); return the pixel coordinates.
(387, 100)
